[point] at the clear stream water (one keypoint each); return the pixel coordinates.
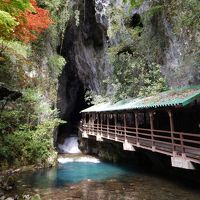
(87, 178)
(72, 171)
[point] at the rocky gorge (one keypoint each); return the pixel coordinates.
(93, 51)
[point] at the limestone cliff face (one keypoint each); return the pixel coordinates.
(84, 49)
(178, 49)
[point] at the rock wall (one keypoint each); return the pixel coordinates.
(178, 46)
(113, 152)
(84, 49)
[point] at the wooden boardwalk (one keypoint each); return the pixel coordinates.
(184, 145)
(136, 123)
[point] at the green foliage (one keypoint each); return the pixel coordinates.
(154, 9)
(61, 11)
(14, 6)
(116, 16)
(134, 3)
(8, 11)
(26, 128)
(136, 55)
(56, 64)
(186, 13)
(135, 32)
(7, 24)
(22, 50)
(16, 67)
(27, 125)
(133, 77)
(91, 98)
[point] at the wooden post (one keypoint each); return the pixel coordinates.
(84, 120)
(172, 130)
(152, 128)
(94, 124)
(83, 124)
(125, 115)
(136, 129)
(115, 118)
(145, 120)
(108, 116)
(101, 115)
(86, 123)
(182, 145)
(93, 117)
(89, 123)
(97, 124)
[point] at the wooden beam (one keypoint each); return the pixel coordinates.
(108, 117)
(97, 123)
(125, 116)
(101, 116)
(172, 130)
(99, 128)
(84, 118)
(89, 122)
(152, 128)
(136, 128)
(93, 118)
(115, 118)
(86, 123)
(145, 119)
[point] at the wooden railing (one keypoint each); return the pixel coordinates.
(166, 142)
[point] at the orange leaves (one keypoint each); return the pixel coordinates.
(32, 23)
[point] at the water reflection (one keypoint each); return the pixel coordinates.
(103, 181)
(74, 172)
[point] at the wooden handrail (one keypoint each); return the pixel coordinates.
(146, 129)
(183, 143)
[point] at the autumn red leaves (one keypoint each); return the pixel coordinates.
(30, 20)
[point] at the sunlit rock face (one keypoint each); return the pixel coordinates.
(84, 49)
(178, 50)
(180, 58)
(100, 12)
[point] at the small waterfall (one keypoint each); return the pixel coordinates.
(70, 145)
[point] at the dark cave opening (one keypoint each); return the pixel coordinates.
(82, 48)
(136, 21)
(73, 117)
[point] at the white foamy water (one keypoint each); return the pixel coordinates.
(70, 145)
(79, 159)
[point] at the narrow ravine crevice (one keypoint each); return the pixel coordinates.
(71, 103)
(84, 50)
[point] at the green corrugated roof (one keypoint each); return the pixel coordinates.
(175, 97)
